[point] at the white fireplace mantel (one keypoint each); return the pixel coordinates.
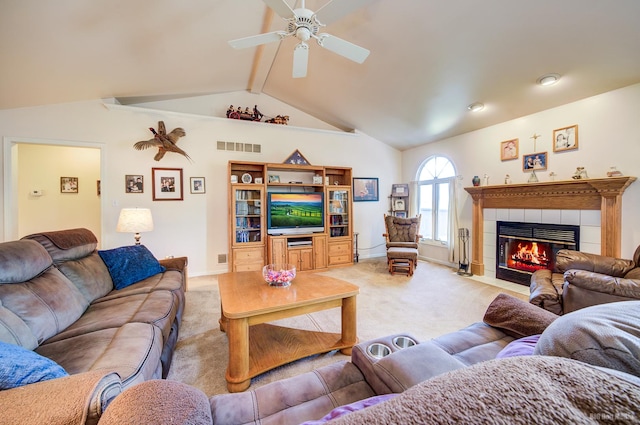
(589, 194)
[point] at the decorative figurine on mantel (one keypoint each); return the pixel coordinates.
(475, 181)
(507, 179)
(553, 176)
(486, 180)
(580, 174)
(613, 172)
(533, 178)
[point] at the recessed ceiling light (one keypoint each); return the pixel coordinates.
(548, 79)
(476, 106)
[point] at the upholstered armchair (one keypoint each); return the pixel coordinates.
(402, 243)
(580, 280)
(402, 232)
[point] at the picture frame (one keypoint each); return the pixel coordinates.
(274, 179)
(534, 161)
(134, 183)
(296, 158)
(509, 150)
(68, 185)
(565, 138)
(400, 189)
(197, 185)
(365, 189)
(398, 204)
(401, 214)
(167, 184)
(98, 188)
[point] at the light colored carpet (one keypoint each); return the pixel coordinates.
(434, 301)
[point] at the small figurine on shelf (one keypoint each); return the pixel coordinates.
(533, 178)
(580, 173)
(475, 180)
(507, 179)
(613, 172)
(553, 176)
(486, 180)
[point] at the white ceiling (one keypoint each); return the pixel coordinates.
(429, 58)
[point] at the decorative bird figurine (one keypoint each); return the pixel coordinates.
(163, 141)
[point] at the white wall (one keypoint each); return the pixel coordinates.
(197, 226)
(609, 135)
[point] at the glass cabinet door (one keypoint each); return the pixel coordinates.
(339, 214)
(248, 216)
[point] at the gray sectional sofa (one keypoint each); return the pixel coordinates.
(57, 298)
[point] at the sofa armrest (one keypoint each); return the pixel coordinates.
(545, 290)
(73, 399)
(567, 260)
(177, 263)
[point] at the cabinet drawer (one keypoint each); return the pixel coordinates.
(248, 267)
(339, 259)
(248, 255)
(340, 248)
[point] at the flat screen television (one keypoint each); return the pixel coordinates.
(295, 213)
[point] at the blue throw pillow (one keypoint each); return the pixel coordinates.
(19, 366)
(130, 264)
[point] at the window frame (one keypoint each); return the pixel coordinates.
(436, 184)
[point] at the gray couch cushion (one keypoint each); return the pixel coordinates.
(132, 350)
(606, 335)
(48, 303)
(22, 260)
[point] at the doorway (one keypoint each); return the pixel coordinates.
(51, 185)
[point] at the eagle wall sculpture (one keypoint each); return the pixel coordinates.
(163, 141)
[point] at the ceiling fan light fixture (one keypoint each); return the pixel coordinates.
(476, 107)
(548, 79)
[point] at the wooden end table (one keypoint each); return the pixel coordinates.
(248, 302)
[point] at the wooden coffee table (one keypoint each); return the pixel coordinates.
(248, 302)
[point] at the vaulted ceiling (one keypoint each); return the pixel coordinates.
(429, 58)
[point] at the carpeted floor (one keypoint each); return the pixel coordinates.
(434, 301)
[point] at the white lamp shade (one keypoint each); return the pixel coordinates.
(135, 220)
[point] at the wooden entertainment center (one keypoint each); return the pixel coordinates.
(252, 244)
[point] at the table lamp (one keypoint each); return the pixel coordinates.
(135, 220)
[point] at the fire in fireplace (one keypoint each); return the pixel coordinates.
(523, 248)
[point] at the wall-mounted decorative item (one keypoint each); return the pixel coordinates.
(98, 187)
(68, 185)
(296, 158)
(509, 150)
(400, 189)
(163, 141)
(274, 179)
(167, 184)
(365, 189)
(401, 214)
(133, 183)
(565, 139)
(534, 161)
(197, 185)
(398, 204)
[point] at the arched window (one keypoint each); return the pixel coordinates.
(436, 178)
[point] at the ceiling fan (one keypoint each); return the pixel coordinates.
(305, 24)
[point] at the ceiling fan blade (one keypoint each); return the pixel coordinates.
(343, 48)
(336, 9)
(281, 8)
(256, 40)
(300, 60)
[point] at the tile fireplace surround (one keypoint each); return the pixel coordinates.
(570, 197)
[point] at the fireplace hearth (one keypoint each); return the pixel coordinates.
(523, 248)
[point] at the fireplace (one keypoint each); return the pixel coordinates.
(523, 248)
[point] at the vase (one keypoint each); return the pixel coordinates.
(475, 181)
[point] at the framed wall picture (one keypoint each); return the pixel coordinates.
(365, 189)
(133, 183)
(197, 185)
(167, 184)
(98, 189)
(68, 185)
(509, 150)
(400, 190)
(565, 139)
(534, 161)
(398, 204)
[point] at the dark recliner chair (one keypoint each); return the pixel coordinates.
(580, 280)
